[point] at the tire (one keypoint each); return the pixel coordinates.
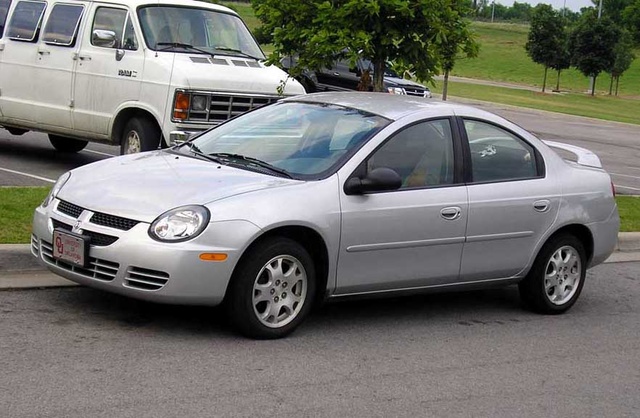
(264, 301)
(557, 276)
(140, 134)
(64, 144)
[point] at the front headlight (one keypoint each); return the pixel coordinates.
(396, 90)
(56, 189)
(180, 224)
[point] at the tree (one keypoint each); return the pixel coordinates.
(546, 38)
(458, 41)
(592, 43)
(624, 56)
(562, 59)
(318, 31)
(631, 19)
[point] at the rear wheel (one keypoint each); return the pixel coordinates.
(140, 134)
(64, 144)
(272, 289)
(556, 279)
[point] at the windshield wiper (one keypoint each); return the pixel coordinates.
(251, 160)
(194, 148)
(236, 51)
(170, 45)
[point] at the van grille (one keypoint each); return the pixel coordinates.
(97, 269)
(216, 107)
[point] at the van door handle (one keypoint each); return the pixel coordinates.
(43, 52)
(451, 213)
(541, 205)
(84, 58)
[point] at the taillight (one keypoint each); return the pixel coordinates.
(613, 188)
(181, 105)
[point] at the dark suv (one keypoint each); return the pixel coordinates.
(343, 77)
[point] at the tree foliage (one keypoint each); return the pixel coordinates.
(592, 43)
(631, 19)
(546, 42)
(407, 32)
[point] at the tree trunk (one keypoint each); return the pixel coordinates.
(445, 86)
(611, 86)
(617, 83)
(593, 88)
(558, 82)
(378, 74)
(544, 80)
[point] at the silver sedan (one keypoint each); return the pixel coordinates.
(334, 195)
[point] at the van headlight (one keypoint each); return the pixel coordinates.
(180, 224)
(53, 193)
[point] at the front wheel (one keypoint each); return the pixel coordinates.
(140, 134)
(556, 279)
(64, 144)
(272, 289)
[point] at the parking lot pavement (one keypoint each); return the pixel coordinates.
(19, 269)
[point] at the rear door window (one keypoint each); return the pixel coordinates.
(62, 26)
(4, 9)
(25, 21)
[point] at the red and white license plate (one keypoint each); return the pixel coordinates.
(71, 248)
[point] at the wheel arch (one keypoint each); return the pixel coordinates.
(126, 114)
(312, 242)
(581, 232)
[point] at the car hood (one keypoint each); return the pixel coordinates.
(143, 186)
(396, 81)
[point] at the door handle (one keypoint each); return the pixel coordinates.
(541, 205)
(337, 74)
(43, 52)
(451, 213)
(84, 58)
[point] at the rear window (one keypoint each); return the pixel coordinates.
(25, 21)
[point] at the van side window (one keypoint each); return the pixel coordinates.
(108, 27)
(25, 21)
(4, 9)
(129, 41)
(62, 26)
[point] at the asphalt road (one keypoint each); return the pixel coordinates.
(77, 352)
(29, 160)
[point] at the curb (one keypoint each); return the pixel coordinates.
(19, 269)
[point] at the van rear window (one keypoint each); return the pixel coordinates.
(4, 9)
(25, 21)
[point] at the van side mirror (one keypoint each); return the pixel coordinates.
(104, 38)
(378, 180)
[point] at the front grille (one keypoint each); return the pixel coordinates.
(145, 279)
(220, 107)
(34, 246)
(415, 92)
(113, 221)
(69, 209)
(97, 239)
(98, 269)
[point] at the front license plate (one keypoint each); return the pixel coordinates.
(71, 248)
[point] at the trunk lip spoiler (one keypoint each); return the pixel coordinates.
(585, 157)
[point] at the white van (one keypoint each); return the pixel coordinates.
(135, 73)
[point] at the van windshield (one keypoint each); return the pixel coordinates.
(173, 28)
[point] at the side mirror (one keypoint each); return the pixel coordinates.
(378, 180)
(104, 38)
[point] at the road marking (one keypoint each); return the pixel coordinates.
(625, 187)
(28, 175)
(99, 153)
(624, 175)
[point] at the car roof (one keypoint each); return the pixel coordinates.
(390, 106)
(183, 3)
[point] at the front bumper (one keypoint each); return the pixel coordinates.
(137, 266)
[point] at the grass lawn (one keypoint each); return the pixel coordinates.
(18, 203)
(602, 107)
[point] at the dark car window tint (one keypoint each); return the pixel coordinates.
(421, 154)
(26, 20)
(4, 9)
(109, 20)
(498, 155)
(62, 26)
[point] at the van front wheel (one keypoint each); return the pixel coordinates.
(64, 144)
(139, 135)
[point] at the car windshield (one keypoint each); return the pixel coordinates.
(195, 30)
(305, 140)
(388, 72)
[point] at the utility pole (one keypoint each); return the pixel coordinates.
(493, 9)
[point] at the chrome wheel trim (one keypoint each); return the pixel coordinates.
(133, 143)
(562, 275)
(279, 291)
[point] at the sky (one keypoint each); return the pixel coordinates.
(574, 5)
